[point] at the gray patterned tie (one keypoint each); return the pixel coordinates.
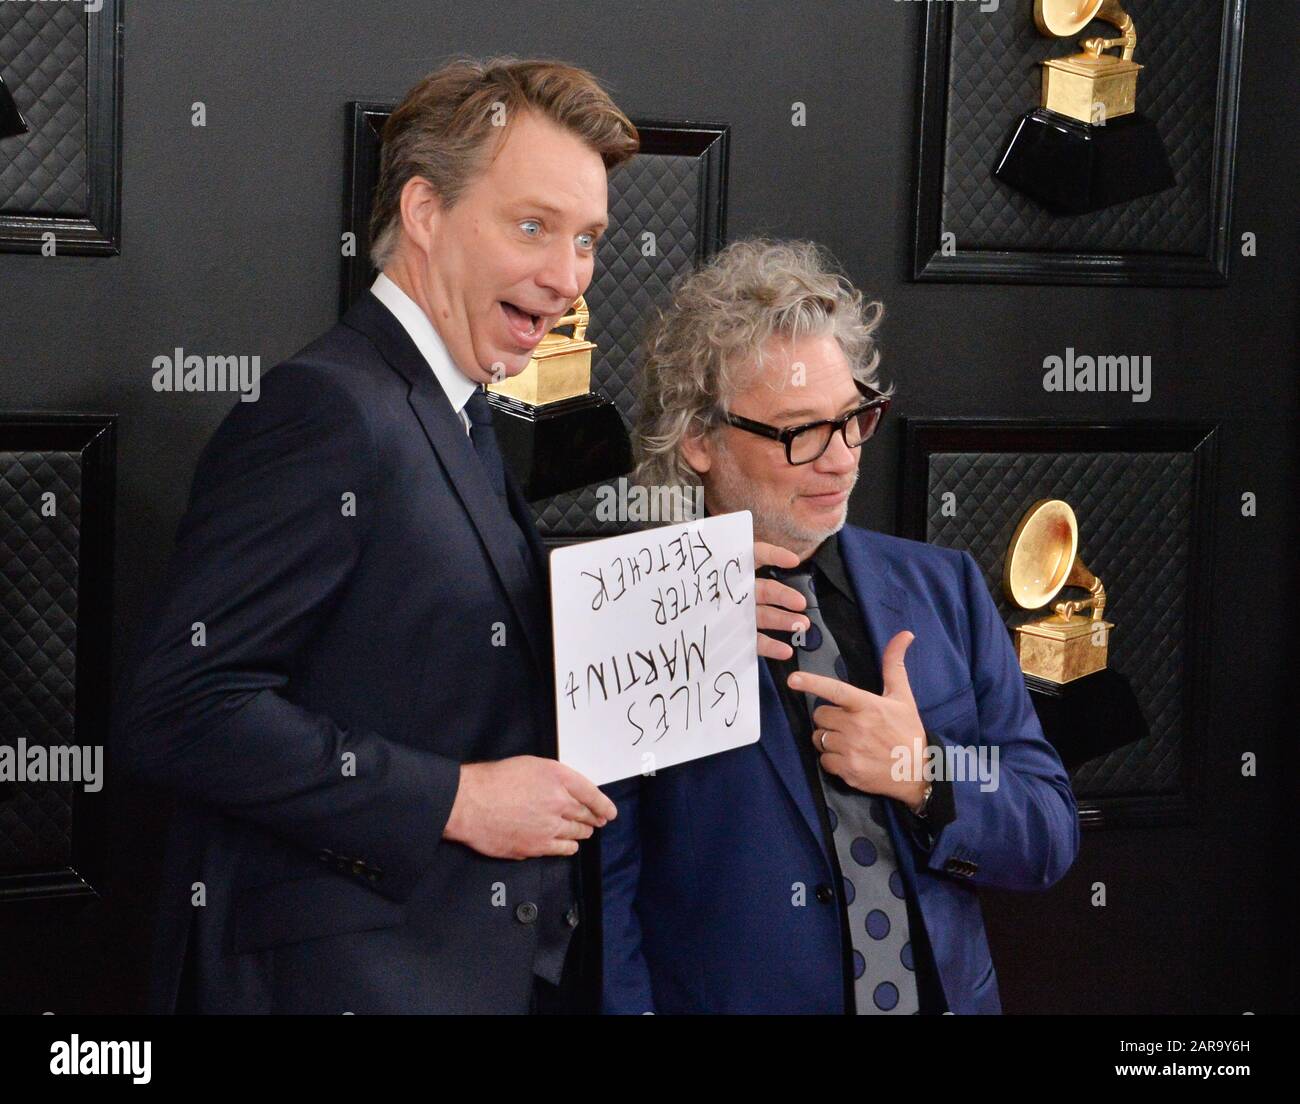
(883, 977)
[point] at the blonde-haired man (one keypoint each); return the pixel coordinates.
(808, 872)
(362, 746)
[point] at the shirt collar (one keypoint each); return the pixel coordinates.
(830, 563)
(457, 386)
(827, 559)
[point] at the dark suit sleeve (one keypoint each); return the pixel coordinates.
(940, 812)
(625, 977)
(1023, 834)
(261, 554)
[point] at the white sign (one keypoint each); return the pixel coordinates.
(656, 661)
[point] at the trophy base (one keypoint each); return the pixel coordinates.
(563, 445)
(1073, 168)
(1088, 717)
(1062, 651)
(12, 122)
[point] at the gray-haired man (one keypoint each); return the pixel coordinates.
(823, 869)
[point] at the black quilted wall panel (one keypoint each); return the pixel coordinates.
(995, 78)
(38, 645)
(981, 73)
(1135, 514)
(43, 55)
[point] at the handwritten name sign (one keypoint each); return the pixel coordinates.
(655, 655)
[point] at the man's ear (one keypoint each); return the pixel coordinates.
(697, 450)
(421, 210)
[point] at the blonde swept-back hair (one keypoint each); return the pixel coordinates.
(441, 130)
(707, 344)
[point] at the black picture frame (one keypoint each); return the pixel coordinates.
(707, 142)
(365, 122)
(924, 437)
(930, 263)
(94, 437)
(99, 232)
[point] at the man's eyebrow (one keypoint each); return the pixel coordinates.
(805, 413)
(551, 209)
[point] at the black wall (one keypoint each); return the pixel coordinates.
(231, 245)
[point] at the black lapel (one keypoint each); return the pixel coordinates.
(523, 514)
(446, 433)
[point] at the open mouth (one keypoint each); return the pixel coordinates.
(526, 326)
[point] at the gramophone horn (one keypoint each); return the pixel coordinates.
(1064, 18)
(1043, 558)
(1041, 554)
(1080, 576)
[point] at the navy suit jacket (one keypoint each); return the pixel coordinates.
(711, 868)
(347, 617)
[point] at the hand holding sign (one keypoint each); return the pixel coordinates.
(524, 807)
(656, 646)
(775, 601)
(856, 731)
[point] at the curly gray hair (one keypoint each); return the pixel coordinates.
(709, 341)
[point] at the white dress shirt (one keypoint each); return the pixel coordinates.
(457, 386)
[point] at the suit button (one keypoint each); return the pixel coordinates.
(526, 913)
(571, 917)
(326, 855)
(358, 867)
(825, 894)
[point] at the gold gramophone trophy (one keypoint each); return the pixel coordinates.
(1086, 147)
(1042, 559)
(557, 435)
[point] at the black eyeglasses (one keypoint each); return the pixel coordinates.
(805, 443)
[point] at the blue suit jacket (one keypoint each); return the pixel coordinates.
(711, 867)
(352, 660)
